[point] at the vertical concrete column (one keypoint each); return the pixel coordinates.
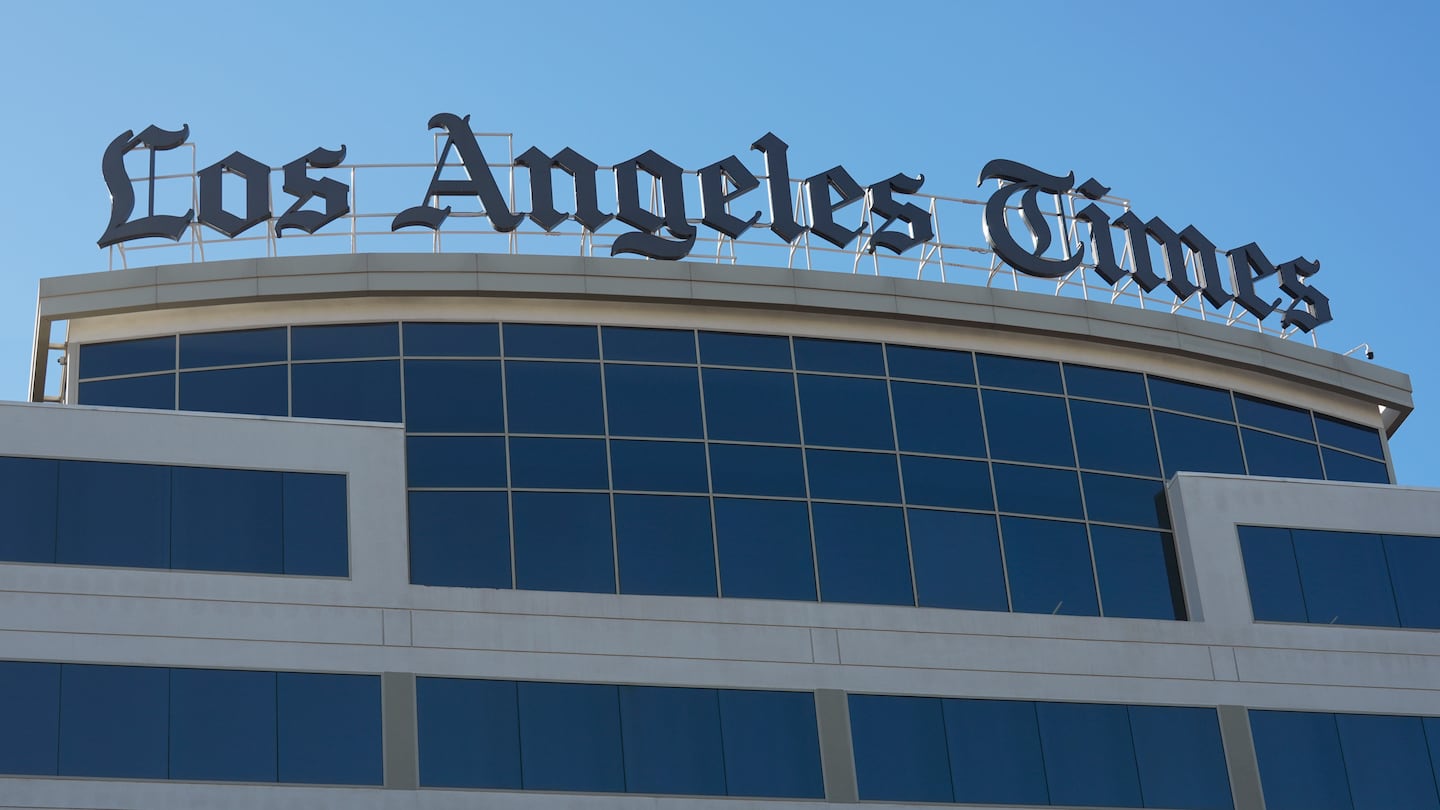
(837, 755)
(402, 749)
(1240, 758)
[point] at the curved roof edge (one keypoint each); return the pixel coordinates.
(454, 274)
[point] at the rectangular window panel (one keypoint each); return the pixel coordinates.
(744, 469)
(452, 339)
(156, 392)
(659, 466)
(1026, 427)
(939, 419)
(1273, 416)
(1137, 573)
(931, 481)
(772, 745)
(453, 396)
(1104, 383)
(1345, 578)
(1134, 501)
(366, 391)
(114, 514)
(1274, 580)
(1173, 395)
(563, 542)
(1180, 757)
(1345, 467)
(1089, 754)
(262, 390)
(1414, 564)
(554, 398)
(222, 725)
(862, 554)
(995, 755)
(570, 737)
(1115, 438)
(1018, 372)
(899, 745)
(659, 401)
(957, 560)
(764, 549)
(1301, 767)
(1048, 563)
(846, 412)
(847, 476)
(1188, 444)
(672, 741)
(1348, 436)
(839, 356)
(345, 341)
(558, 463)
(751, 406)
(1387, 762)
(238, 348)
(1268, 454)
(1037, 491)
(460, 539)
(28, 489)
(226, 520)
(329, 729)
(938, 365)
(113, 721)
(455, 461)
(127, 357)
(754, 351)
(317, 525)
(469, 733)
(551, 340)
(665, 545)
(648, 345)
(30, 704)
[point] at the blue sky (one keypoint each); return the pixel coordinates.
(1305, 127)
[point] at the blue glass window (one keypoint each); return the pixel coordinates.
(226, 520)
(113, 721)
(755, 351)
(1347, 436)
(453, 396)
(648, 345)
(772, 746)
(750, 406)
(662, 401)
(549, 340)
(665, 545)
(222, 725)
(671, 739)
(469, 733)
(1048, 563)
(949, 482)
(367, 391)
(1414, 564)
(1269, 454)
(1387, 762)
(1115, 438)
(900, 750)
(115, 514)
(1188, 444)
(554, 398)
(1274, 416)
(563, 542)
(939, 365)
(1137, 573)
(848, 476)
(127, 357)
(329, 728)
(1345, 467)
(840, 356)
(1180, 757)
(345, 341)
(262, 390)
(957, 560)
(1026, 427)
(1174, 395)
(1275, 594)
(317, 528)
(938, 419)
(846, 412)
(1037, 491)
(30, 704)
(156, 392)
(659, 466)
(460, 539)
(1089, 754)
(764, 549)
(452, 340)
(862, 554)
(1136, 501)
(1301, 767)
(1345, 578)
(740, 469)
(1018, 372)
(238, 348)
(456, 461)
(558, 463)
(570, 737)
(28, 489)
(995, 755)
(1104, 383)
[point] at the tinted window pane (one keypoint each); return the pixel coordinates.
(1104, 383)
(957, 560)
(1347, 436)
(665, 545)
(1345, 467)
(1274, 581)
(846, 412)
(843, 356)
(1197, 399)
(156, 392)
(754, 406)
(1137, 573)
(469, 733)
(558, 463)
(329, 728)
(222, 725)
(648, 345)
(672, 740)
(453, 396)
(367, 391)
(30, 704)
(226, 520)
(1387, 762)
(995, 755)
(862, 554)
(739, 469)
(317, 534)
(841, 475)
(554, 398)
(460, 538)
(1049, 567)
(562, 542)
(452, 340)
(27, 500)
(900, 749)
(347, 340)
(938, 419)
(1181, 758)
(263, 390)
(1025, 427)
(764, 549)
(1136, 501)
(940, 365)
(661, 401)
(1198, 445)
(1089, 754)
(1115, 438)
(127, 357)
(1301, 767)
(114, 514)
(113, 721)
(772, 747)
(1345, 578)
(570, 737)
(234, 348)
(1274, 416)
(1037, 491)
(455, 461)
(758, 351)
(546, 340)
(1414, 564)
(1018, 372)
(933, 481)
(659, 466)
(1269, 454)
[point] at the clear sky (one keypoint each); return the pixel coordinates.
(1306, 127)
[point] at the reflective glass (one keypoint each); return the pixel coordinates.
(847, 476)
(460, 539)
(1275, 594)
(840, 356)
(551, 340)
(1345, 467)
(862, 555)
(764, 549)
(1268, 415)
(659, 466)
(452, 339)
(1268, 454)
(1019, 372)
(367, 391)
(570, 737)
(900, 749)
(1048, 563)
(1348, 436)
(1414, 564)
(127, 357)
(1089, 754)
(995, 755)
(554, 398)
(938, 419)
(1432, 736)
(931, 481)
(1115, 438)
(742, 469)
(1136, 501)
(329, 728)
(1301, 767)
(846, 412)
(1387, 762)
(671, 739)
(317, 525)
(113, 721)
(957, 560)
(661, 401)
(1345, 578)
(222, 725)
(226, 520)
(1104, 383)
(1198, 445)
(455, 461)
(453, 396)
(665, 545)
(239, 348)
(344, 341)
(757, 351)
(28, 489)
(648, 345)
(30, 704)
(469, 733)
(558, 463)
(114, 514)
(263, 390)
(940, 365)
(1180, 757)
(1137, 573)
(1026, 427)
(750, 406)
(156, 392)
(1174, 395)
(772, 746)
(1037, 491)
(563, 542)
